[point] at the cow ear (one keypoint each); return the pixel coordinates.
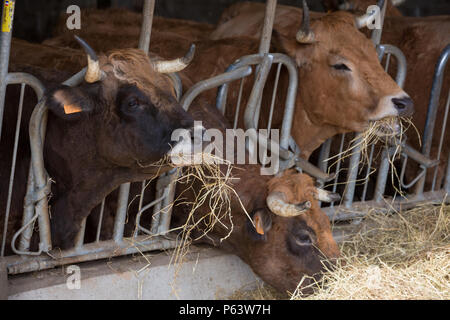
(69, 103)
(290, 46)
(262, 221)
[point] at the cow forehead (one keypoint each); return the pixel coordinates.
(133, 66)
(337, 32)
(296, 186)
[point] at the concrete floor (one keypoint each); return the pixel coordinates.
(205, 274)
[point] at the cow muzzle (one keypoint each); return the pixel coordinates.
(188, 149)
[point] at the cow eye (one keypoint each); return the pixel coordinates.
(341, 67)
(133, 103)
(303, 238)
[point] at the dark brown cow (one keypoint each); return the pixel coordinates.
(101, 133)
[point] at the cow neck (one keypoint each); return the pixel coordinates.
(308, 135)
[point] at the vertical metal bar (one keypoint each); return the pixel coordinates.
(352, 174)
(324, 155)
(37, 126)
(100, 221)
(121, 213)
(266, 34)
(274, 95)
(28, 212)
(13, 168)
(79, 240)
(447, 176)
(5, 45)
(166, 212)
(238, 104)
(376, 33)
(383, 171)
(251, 110)
(338, 165)
(432, 111)
(441, 140)
(146, 28)
(369, 165)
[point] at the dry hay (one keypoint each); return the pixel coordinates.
(211, 181)
(380, 133)
(405, 255)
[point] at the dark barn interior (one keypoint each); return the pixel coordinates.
(36, 18)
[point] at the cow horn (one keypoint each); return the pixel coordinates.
(326, 196)
(277, 204)
(305, 34)
(364, 20)
(93, 72)
(175, 65)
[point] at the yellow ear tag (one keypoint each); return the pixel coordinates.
(258, 225)
(68, 109)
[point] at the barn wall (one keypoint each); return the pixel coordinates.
(35, 18)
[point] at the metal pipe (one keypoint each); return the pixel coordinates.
(383, 171)
(432, 110)
(5, 46)
(121, 212)
(352, 174)
(441, 140)
(213, 82)
(13, 169)
(401, 61)
(251, 114)
(89, 252)
(266, 34)
(37, 126)
(376, 33)
(146, 28)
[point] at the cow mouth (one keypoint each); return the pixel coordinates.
(386, 127)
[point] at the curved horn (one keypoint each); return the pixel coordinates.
(305, 34)
(175, 65)
(277, 204)
(93, 72)
(326, 196)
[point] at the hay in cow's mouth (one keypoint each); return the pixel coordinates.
(389, 131)
(405, 255)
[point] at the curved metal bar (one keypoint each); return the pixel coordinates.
(213, 82)
(401, 61)
(432, 110)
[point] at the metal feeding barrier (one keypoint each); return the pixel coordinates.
(155, 236)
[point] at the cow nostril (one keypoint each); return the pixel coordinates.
(403, 104)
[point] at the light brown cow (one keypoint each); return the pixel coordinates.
(421, 40)
(342, 84)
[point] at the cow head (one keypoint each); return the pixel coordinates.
(290, 236)
(127, 105)
(343, 85)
